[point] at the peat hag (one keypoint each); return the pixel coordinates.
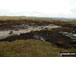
(52, 36)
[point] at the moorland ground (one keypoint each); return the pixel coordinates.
(26, 45)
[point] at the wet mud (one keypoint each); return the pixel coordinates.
(51, 36)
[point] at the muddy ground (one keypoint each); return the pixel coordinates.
(52, 36)
(8, 25)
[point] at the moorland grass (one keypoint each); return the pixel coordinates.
(30, 48)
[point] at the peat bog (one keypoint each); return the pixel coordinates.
(53, 36)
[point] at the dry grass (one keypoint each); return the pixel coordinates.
(29, 48)
(5, 18)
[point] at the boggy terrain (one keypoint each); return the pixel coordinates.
(12, 25)
(51, 35)
(42, 42)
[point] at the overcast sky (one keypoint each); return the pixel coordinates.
(42, 8)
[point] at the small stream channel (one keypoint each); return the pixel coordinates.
(6, 33)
